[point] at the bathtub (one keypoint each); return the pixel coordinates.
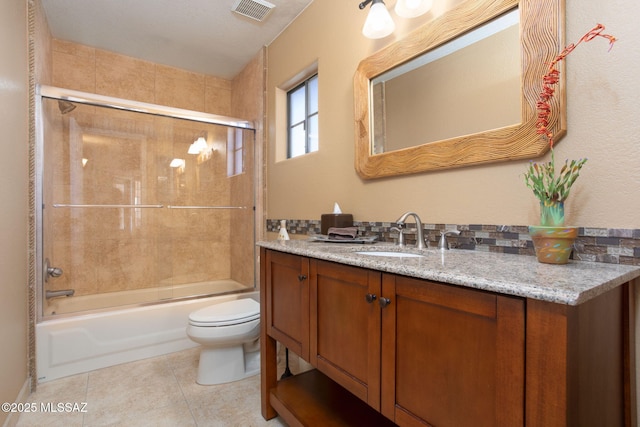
(82, 343)
(75, 304)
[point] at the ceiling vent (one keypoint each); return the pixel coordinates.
(254, 9)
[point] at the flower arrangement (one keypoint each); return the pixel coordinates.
(550, 188)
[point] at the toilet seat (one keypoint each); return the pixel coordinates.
(226, 313)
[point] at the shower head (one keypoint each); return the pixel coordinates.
(66, 106)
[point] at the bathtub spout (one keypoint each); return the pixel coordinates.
(61, 293)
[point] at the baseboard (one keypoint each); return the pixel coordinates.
(13, 417)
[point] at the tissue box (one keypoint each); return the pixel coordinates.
(335, 220)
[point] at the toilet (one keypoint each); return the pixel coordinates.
(229, 334)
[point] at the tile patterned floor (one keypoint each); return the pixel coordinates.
(160, 391)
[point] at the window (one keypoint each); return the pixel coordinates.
(302, 118)
(235, 152)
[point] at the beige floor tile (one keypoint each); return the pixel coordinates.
(46, 399)
(160, 391)
(140, 371)
(121, 401)
(177, 415)
(42, 419)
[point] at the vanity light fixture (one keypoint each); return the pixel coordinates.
(379, 23)
(412, 8)
(198, 146)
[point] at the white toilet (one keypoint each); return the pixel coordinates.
(229, 333)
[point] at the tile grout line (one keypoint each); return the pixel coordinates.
(184, 396)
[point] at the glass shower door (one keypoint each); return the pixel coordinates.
(139, 208)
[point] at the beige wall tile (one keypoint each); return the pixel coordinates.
(191, 245)
(71, 48)
(124, 77)
(179, 88)
(74, 72)
(217, 96)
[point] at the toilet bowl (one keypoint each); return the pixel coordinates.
(229, 335)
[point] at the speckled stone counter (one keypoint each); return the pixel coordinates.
(518, 275)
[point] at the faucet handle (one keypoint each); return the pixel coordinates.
(400, 230)
(443, 244)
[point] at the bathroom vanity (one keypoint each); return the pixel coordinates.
(448, 338)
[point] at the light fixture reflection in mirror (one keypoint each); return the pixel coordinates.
(198, 146)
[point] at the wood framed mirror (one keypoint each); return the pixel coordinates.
(541, 38)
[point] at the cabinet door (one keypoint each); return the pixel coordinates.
(345, 327)
(451, 356)
(287, 283)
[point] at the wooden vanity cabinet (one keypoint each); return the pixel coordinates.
(284, 308)
(439, 354)
(345, 327)
(447, 355)
(287, 300)
(451, 356)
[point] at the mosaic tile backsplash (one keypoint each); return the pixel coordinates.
(608, 245)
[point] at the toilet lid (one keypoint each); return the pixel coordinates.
(226, 313)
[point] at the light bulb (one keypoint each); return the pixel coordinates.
(412, 8)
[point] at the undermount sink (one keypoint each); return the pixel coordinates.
(389, 254)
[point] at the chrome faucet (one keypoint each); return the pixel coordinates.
(60, 293)
(420, 243)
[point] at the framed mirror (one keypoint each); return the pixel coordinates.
(449, 111)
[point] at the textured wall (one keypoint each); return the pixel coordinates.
(602, 95)
(14, 193)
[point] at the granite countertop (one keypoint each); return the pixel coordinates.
(519, 275)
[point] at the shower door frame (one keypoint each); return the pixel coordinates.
(51, 92)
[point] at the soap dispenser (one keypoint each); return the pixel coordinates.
(282, 234)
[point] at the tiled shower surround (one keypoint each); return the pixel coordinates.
(102, 162)
(608, 245)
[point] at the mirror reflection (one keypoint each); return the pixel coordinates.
(470, 84)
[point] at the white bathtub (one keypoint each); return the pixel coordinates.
(75, 304)
(83, 343)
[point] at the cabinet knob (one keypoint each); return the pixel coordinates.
(302, 277)
(384, 302)
(370, 298)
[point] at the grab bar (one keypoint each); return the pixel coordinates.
(206, 207)
(62, 205)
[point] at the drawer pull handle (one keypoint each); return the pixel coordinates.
(384, 302)
(370, 298)
(302, 277)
